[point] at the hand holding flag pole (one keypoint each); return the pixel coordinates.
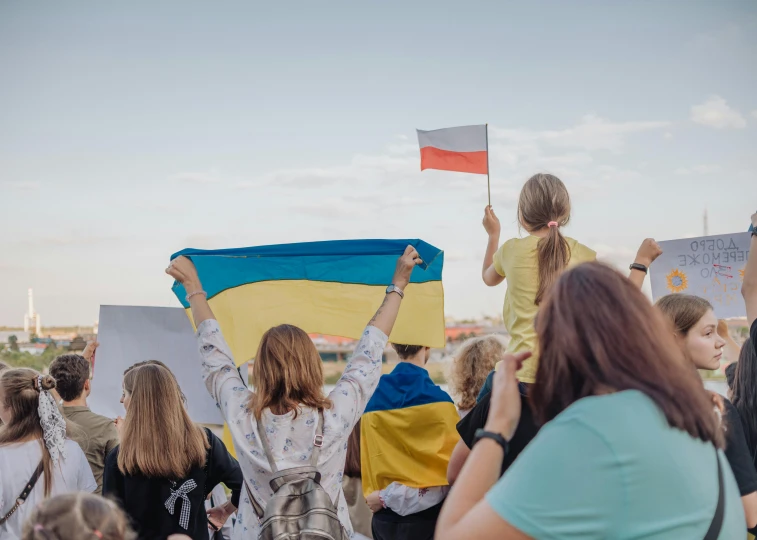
(460, 149)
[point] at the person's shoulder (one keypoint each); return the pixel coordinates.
(603, 412)
(516, 245)
(579, 252)
(74, 452)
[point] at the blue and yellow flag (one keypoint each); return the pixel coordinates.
(329, 288)
(407, 432)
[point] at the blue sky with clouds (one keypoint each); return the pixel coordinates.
(131, 130)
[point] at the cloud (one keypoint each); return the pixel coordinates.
(668, 135)
(697, 169)
(716, 113)
(196, 178)
(403, 149)
(402, 137)
(754, 114)
(591, 133)
(23, 185)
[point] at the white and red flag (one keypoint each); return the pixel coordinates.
(461, 149)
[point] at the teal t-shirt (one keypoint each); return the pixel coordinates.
(611, 467)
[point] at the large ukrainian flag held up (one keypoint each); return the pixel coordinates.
(331, 287)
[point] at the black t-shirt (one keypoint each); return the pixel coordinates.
(525, 431)
(143, 499)
(737, 451)
(753, 335)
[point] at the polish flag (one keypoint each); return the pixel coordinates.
(461, 149)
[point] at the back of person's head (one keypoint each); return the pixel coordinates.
(352, 466)
(287, 373)
(744, 392)
(19, 402)
(77, 516)
(153, 363)
(159, 440)
(683, 310)
(597, 334)
(730, 374)
(406, 352)
(471, 365)
(544, 200)
(71, 373)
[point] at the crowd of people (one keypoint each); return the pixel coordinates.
(592, 422)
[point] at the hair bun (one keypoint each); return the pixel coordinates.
(48, 383)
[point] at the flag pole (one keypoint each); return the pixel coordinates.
(488, 182)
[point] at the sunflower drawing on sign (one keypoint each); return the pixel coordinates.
(677, 281)
(741, 273)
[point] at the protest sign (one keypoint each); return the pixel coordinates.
(709, 266)
(131, 334)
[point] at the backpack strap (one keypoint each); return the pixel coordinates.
(717, 520)
(317, 440)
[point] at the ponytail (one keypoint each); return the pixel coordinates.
(544, 203)
(553, 254)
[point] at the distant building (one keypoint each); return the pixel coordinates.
(32, 319)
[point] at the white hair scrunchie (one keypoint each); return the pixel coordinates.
(53, 424)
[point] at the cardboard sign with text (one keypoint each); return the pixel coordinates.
(709, 266)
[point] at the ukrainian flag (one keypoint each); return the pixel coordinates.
(407, 432)
(330, 288)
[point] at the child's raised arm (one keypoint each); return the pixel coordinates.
(491, 224)
(648, 252)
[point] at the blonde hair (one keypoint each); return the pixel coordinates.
(471, 364)
(545, 199)
(22, 398)
(287, 373)
(156, 408)
(77, 516)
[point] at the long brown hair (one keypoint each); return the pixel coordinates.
(287, 373)
(544, 199)
(159, 440)
(22, 398)
(598, 333)
(73, 516)
(472, 363)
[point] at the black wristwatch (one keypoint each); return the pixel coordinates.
(496, 437)
(638, 266)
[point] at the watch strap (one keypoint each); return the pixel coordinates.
(496, 437)
(638, 266)
(393, 288)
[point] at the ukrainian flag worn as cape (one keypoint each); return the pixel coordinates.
(407, 432)
(331, 288)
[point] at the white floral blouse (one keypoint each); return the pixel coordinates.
(291, 438)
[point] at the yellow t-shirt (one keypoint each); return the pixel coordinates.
(516, 261)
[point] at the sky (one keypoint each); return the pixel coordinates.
(131, 130)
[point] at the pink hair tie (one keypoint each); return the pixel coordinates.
(38, 527)
(553, 224)
(97, 533)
